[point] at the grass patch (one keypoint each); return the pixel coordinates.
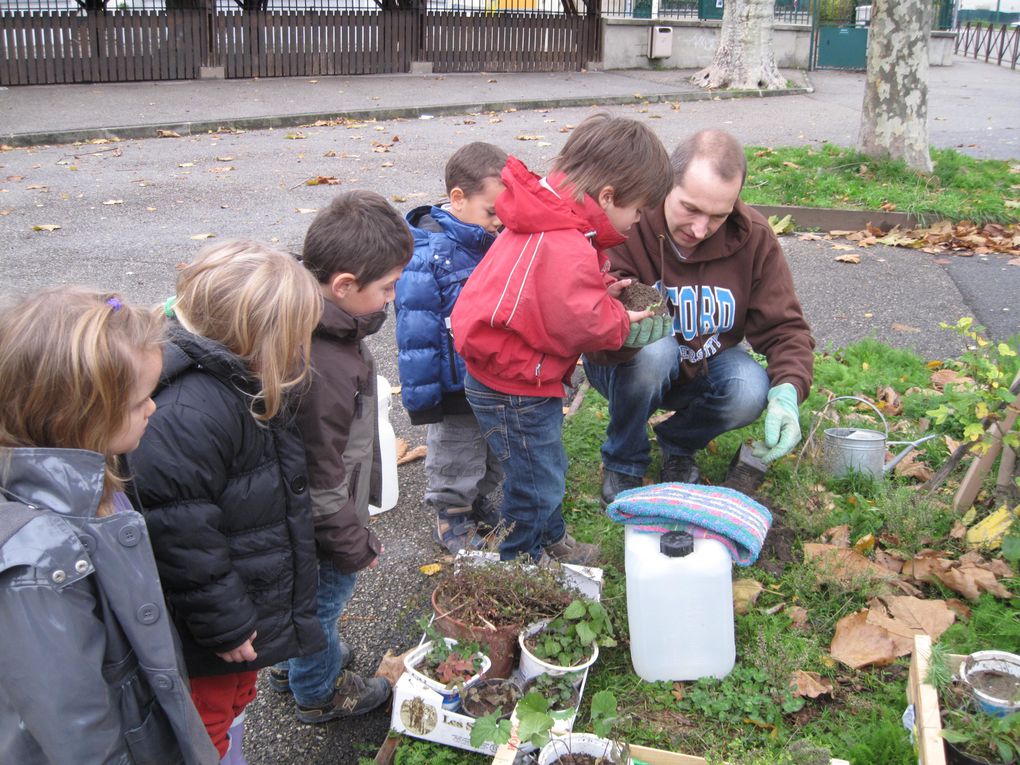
(751, 717)
(960, 188)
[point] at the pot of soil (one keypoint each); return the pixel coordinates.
(493, 696)
(533, 665)
(442, 668)
(994, 681)
(491, 602)
(563, 696)
(582, 749)
(956, 756)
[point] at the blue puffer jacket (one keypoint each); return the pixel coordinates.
(446, 251)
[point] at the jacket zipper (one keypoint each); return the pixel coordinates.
(452, 352)
(538, 371)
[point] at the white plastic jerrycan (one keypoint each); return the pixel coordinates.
(679, 605)
(387, 449)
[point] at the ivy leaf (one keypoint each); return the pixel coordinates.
(575, 610)
(585, 633)
(1011, 548)
(488, 729)
(596, 611)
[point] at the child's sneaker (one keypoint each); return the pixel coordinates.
(569, 550)
(279, 677)
(455, 530)
(485, 512)
(354, 696)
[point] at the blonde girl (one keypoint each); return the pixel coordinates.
(89, 670)
(221, 475)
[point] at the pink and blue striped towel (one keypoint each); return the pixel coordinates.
(705, 512)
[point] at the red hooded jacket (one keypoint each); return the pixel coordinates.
(538, 299)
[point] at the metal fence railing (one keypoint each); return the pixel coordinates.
(998, 44)
(787, 11)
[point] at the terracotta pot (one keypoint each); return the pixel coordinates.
(500, 642)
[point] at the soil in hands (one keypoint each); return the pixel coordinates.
(502, 595)
(641, 297)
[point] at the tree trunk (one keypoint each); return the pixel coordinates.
(894, 118)
(745, 58)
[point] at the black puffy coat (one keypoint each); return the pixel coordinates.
(226, 502)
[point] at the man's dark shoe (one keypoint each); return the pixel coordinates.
(679, 469)
(613, 483)
(354, 696)
(485, 512)
(279, 678)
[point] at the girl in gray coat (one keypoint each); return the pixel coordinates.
(90, 670)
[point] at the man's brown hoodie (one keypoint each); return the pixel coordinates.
(734, 285)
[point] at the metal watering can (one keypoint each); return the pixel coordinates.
(860, 449)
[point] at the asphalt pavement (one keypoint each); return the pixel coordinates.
(127, 211)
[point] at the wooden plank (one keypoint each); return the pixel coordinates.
(7, 60)
(982, 464)
(44, 44)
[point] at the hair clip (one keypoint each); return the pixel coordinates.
(115, 304)
(168, 306)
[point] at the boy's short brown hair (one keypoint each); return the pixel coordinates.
(619, 152)
(359, 233)
(471, 164)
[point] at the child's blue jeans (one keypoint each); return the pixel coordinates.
(312, 678)
(525, 433)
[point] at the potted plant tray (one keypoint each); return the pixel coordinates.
(418, 710)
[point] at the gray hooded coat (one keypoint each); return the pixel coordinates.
(90, 668)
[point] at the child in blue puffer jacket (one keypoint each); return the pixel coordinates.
(449, 241)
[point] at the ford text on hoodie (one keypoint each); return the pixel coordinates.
(538, 299)
(733, 285)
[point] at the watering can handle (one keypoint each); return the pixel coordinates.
(863, 401)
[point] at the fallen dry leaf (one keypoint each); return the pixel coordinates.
(167, 134)
(391, 666)
(431, 569)
(798, 615)
(849, 258)
(888, 400)
(395, 389)
(224, 159)
(943, 377)
(221, 169)
(203, 236)
(847, 566)
(46, 227)
(323, 180)
(114, 202)
(809, 684)
(897, 327)
(970, 575)
(306, 210)
(837, 536)
(745, 593)
(401, 445)
(910, 467)
(416, 453)
(525, 137)
(296, 136)
(857, 643)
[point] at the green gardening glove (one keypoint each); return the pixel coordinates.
(782, 424)
(647, 331)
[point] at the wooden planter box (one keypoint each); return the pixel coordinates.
(925, 700)
(505, 756)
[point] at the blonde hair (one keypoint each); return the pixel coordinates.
(260, 303)
(69, 363)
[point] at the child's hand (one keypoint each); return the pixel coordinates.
(636, 316)
(617, 287)
(243, 652)
(375, 560)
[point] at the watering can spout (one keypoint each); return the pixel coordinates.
(910, 445)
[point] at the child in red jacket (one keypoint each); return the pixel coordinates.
(541, 297)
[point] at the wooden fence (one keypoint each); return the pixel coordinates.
(121, 46)
(1000, 45)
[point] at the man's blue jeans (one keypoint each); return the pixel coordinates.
(312, 678)
(525, 433)
(732, 395)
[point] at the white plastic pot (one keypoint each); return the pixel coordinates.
(451, 695)
(999, 662)
(532, 666)
(578, 743)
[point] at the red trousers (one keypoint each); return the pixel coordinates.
(219, 699)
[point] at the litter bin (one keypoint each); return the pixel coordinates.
(710, 9)
(660, 42)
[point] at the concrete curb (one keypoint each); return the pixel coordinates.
(199, 127)
(831, 219)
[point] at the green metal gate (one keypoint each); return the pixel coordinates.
(840, 31)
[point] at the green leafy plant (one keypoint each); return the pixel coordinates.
(570, 638)
(450, 665)
(981, 735)
(534, 715)
(558, 689)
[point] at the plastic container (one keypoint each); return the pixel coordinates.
(602, 749)
(994, 681)
(387, 449)
(532, 666)
(450, 694)
(679, 605)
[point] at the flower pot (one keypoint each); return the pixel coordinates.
(532, 666)
(582, 743)
(994, 681)
(501, 642)
(450, 694)
(956, 757)
(475, 704)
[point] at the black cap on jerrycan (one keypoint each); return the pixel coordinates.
(676, 544)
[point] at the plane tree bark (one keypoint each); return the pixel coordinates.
(745, 58)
